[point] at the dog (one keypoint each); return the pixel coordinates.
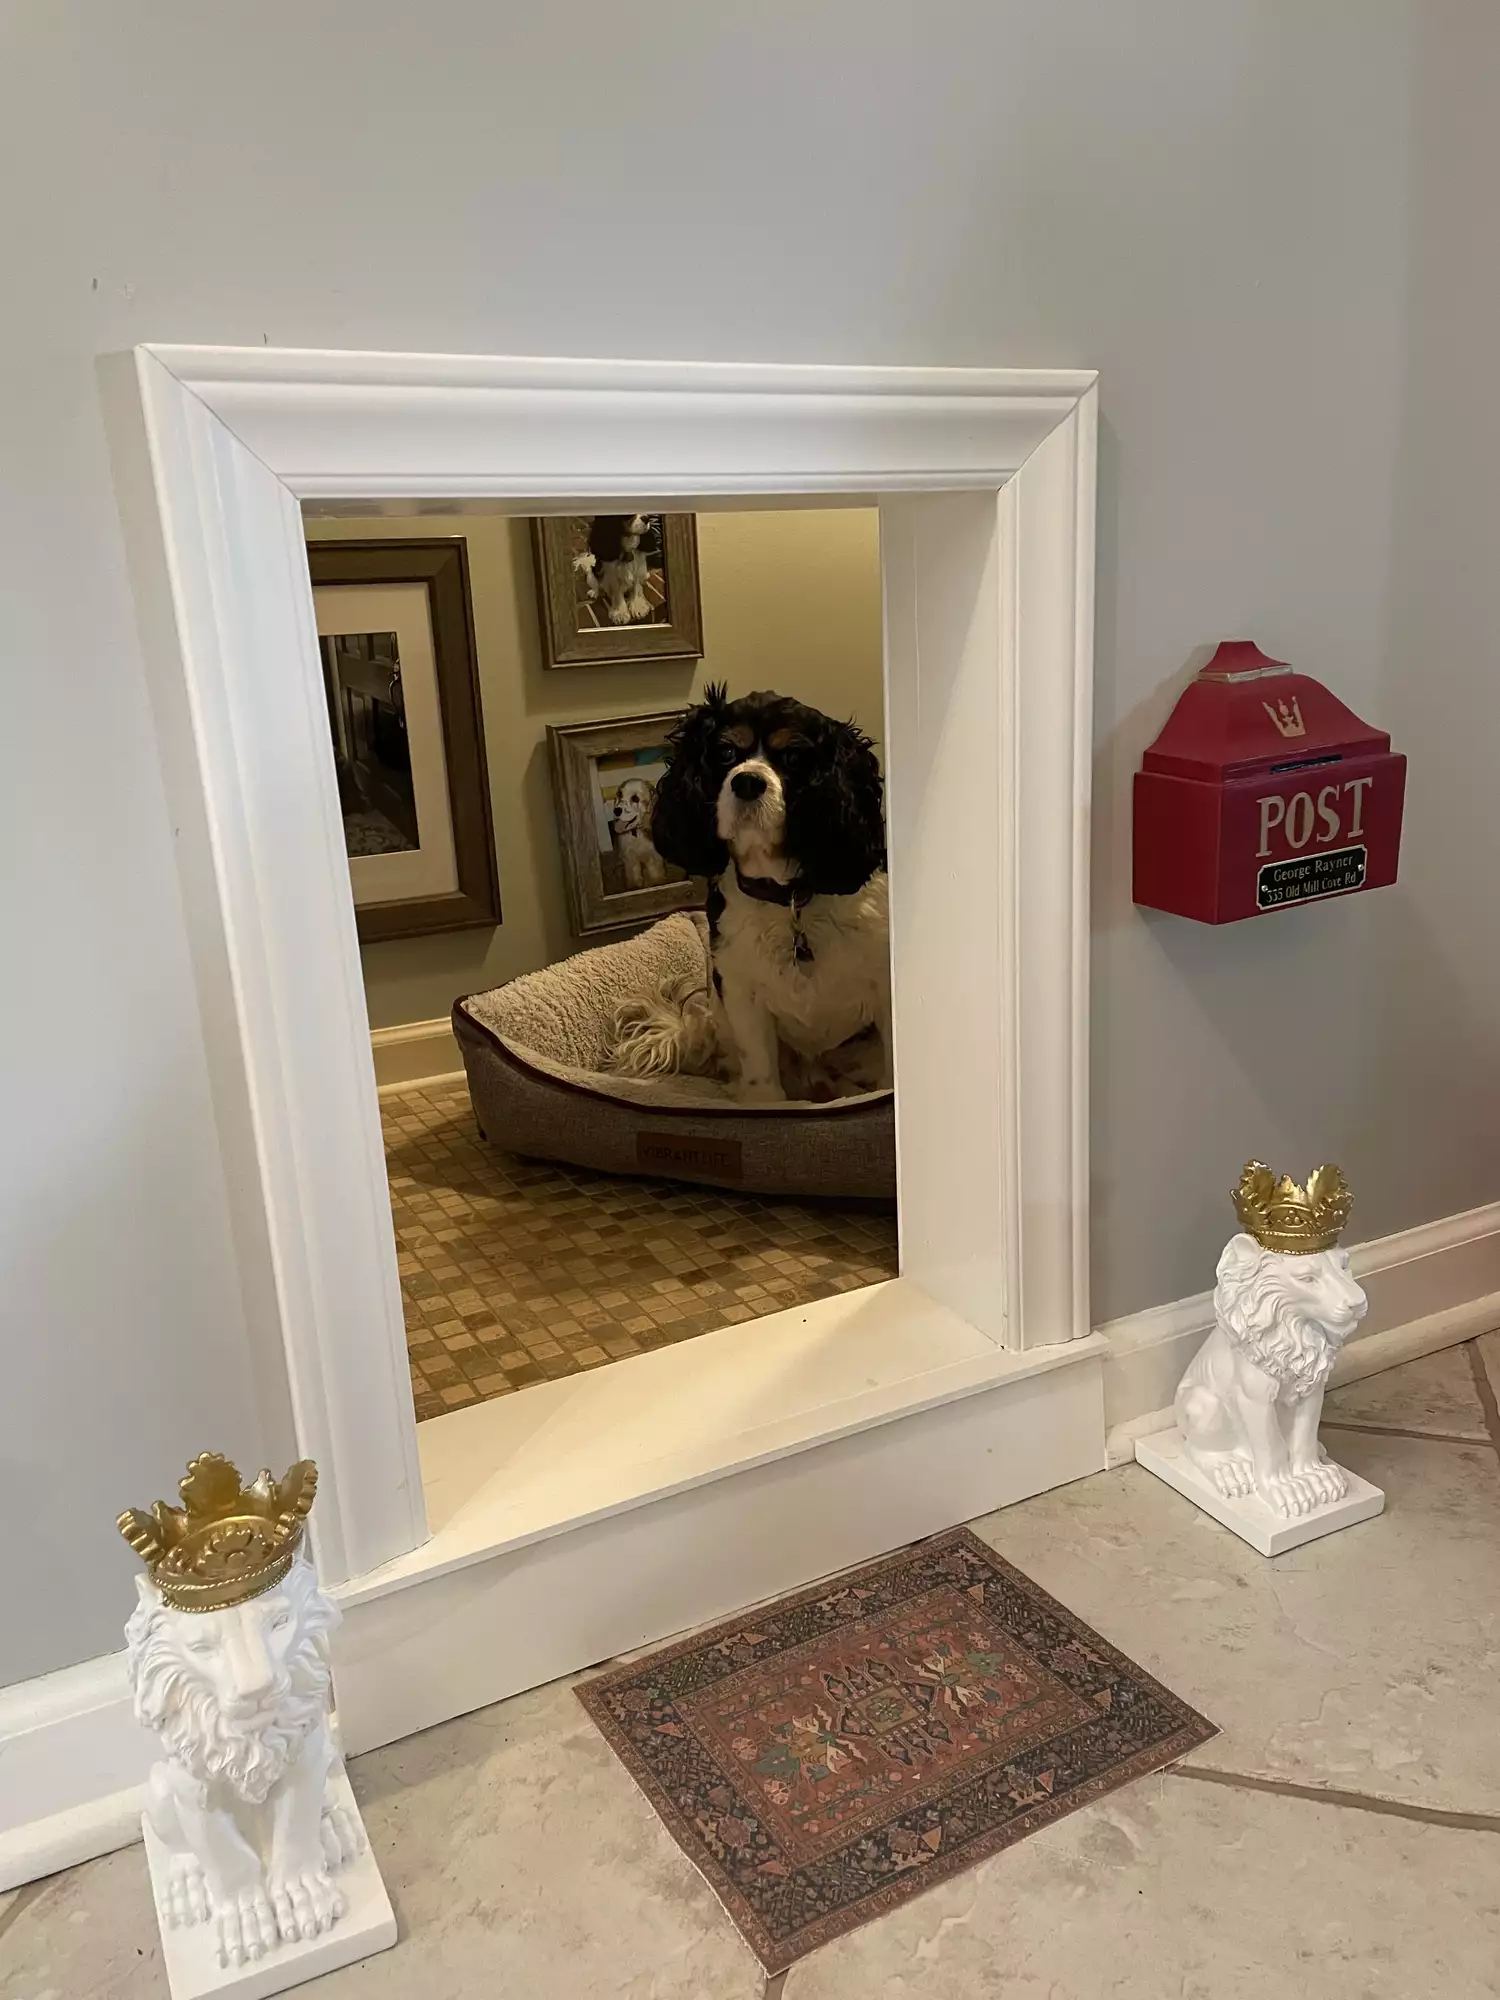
(617, 563)
(779, 806)
(630, 828)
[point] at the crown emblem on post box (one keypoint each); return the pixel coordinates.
(1263, 790)
(1287, 717)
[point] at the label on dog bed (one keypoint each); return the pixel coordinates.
(657, 1154)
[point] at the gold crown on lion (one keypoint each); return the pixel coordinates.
(226, 1543)
(1282, 1216)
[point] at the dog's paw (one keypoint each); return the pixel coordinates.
(760, 1090)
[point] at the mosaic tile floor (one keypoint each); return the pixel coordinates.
(519, 1271)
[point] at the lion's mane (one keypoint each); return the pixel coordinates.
(1278, 1332)
(172, 1699)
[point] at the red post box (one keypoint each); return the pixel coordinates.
(1263, 790)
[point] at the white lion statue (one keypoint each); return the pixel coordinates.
(238, 1693)
(1250, 1404)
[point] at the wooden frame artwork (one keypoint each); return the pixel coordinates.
(617, 587)
(604, 775)
(401, 681)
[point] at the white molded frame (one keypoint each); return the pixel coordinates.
(985, 480)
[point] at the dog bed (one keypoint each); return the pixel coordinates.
(536, 1052)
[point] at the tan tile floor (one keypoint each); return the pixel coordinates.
(519, 1271)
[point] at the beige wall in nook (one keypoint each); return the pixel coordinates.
(791, 601)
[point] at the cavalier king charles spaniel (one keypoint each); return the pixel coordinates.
(780, 807)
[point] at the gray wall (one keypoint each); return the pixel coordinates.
(1267, 224)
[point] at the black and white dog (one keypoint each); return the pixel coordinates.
(616, 565)
(780, 807)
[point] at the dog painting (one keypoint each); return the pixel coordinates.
(627, 808)
(619, 570)
(606, 777)
(617, 587)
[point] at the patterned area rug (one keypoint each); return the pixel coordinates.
(851, 1745)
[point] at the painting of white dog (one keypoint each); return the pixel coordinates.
(625, 797)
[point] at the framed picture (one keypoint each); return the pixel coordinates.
(617, 587)
(605, 775)
(396, 634)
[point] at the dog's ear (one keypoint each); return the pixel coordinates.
(684, 813)
(835, 828)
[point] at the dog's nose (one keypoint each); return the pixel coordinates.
(747, 784)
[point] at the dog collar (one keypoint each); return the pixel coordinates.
(764, 890)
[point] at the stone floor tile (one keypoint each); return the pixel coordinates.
(1366, 1661)
(521, 1859)
(87, 1934)
(1176, 1890)
(1437, 1393)
(1488, 1349)
(519, 1856)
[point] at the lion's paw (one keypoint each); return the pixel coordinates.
(1233, 1478)
(245, 1925)
(1292, 1495)
(342, 1836)
(306, 1903)
(1327, 1480)
(186, 1902)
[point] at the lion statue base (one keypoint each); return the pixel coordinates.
(1245, 1444)
(255, 1842)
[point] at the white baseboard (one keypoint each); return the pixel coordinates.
(447, 1639)
(1429, 1288)
(73, 1760)
(415, 1052)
